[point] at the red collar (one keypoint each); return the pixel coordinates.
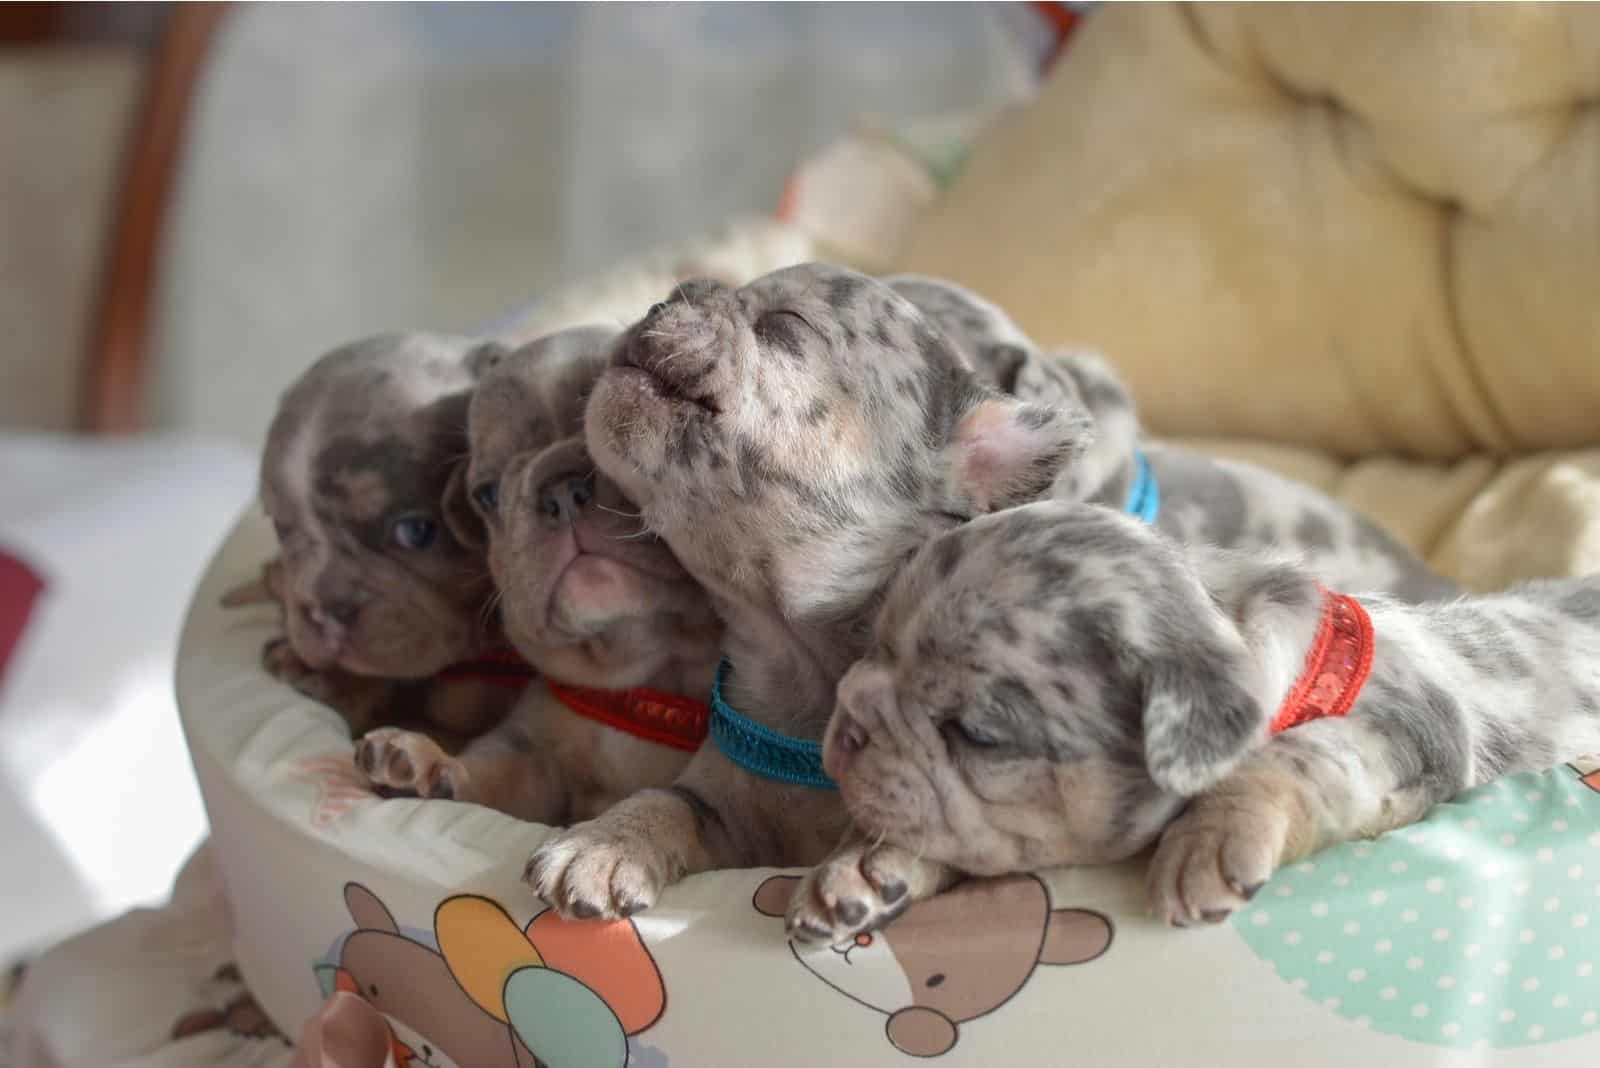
(498, 667)
(1336, 667)
(663, 718)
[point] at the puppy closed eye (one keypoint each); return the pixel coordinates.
(782, 320)
(414, 532)
(969, 735)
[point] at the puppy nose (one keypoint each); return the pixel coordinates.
(566, 497)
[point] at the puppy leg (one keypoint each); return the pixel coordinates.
(715, 816)
(861, 887)
(618, 864)
(1287, 800)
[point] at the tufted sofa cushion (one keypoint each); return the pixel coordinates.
(1357, 228)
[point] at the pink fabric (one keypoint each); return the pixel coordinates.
(347, 1032)
(20, 587)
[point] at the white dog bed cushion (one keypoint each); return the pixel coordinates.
(1476, 928)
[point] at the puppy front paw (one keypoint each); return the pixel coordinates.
(280, 661)
(1211, 861)
(859, 888)
(595, 870)
(406, 762)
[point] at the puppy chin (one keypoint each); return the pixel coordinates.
(595, 592)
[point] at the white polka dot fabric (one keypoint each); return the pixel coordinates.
(1478, 927)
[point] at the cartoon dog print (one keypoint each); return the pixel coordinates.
(950, 959)
(557, 994)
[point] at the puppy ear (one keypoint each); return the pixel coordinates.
(1005, 452)
(1199, 718)
(1000, 363)
(481, 359)
(459, 515)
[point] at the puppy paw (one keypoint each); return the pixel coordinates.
(595, 871)
(406, 762)
(859, 888)
(1209, 863)
(284, 664)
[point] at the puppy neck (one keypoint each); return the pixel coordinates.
(1277, 607)
(693, 649)
(785, 672)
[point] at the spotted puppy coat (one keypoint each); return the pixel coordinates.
(378, 594)
(1061, 685)
(586, 596)
(1217, 502)
(793, 441)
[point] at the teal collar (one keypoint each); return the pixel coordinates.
(761, 750)
(1144, 496)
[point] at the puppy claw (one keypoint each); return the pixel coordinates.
(851, 911)
(588, 872)
(406, 763)
(859, 888)
(1211, 861)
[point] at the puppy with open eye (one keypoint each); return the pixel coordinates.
(379, 596)
(625, 641)
(1060, 684)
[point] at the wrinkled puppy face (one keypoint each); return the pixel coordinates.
(794, 438)
(586, 595)
(353, 475)
(1038, 682)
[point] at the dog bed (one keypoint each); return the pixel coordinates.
(1479, 927)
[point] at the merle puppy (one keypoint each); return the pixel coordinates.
(1060, 684)
(1216, 502)
(378, 593)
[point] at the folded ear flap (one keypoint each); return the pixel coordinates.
(459, 515)
(1199, 718)
(1005, 452)
(1000, 363)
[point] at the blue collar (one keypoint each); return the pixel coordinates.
(1144, 496)
(761, 750)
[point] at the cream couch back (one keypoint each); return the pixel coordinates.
(1353, 229)
(1357, 228)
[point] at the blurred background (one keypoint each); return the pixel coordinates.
(196, 200)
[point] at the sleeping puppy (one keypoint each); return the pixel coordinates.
(1060, 684)
(378, 594)
(601, 608)
(1216, 502)
(793, 441)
